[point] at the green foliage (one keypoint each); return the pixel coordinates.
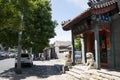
(9, 23)
(37, 25)
(77, 43)
(12, 50)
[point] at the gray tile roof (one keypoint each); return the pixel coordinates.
(101, 3)
(62, 43)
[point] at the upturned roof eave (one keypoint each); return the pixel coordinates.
(83, 15)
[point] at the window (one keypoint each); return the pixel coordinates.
(24, 55)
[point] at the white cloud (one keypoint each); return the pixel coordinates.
(79, 3)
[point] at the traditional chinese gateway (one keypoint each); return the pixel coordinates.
(99, 30)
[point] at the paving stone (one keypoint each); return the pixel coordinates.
(42, 70)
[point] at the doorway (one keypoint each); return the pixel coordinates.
(103, 48)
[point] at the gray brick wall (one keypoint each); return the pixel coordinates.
(116, 30)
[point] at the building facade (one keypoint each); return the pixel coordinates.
(98, 28)
(60, 47)
(57, 50)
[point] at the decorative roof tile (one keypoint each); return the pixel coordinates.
(100, 3)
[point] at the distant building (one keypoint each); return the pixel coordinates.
(60, 47)
(57, 50)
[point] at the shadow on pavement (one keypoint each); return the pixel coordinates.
(39, 71)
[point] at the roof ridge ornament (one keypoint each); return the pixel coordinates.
(65, 22)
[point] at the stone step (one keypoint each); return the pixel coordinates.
(84, 76)
(69, 77)
(98, 76)
(79, 76)
(79, 72)
(109, 75)
(93, 74)
(75, 75)
(103, 75)
(87, 74)
(82, 68)
(106, 76)
(99, 73)
(82, 72)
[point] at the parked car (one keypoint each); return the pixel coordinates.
(78, 57)
(1, 55)
(11, 55)
(26, 59)
(4, 54)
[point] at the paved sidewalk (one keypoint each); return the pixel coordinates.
(42, 70)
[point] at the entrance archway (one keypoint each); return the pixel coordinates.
(104, 38)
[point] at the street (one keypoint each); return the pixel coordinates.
(6, 64)
(41, 70)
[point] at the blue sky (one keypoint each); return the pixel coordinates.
(63, 10)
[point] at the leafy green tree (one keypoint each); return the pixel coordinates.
(37, 28)
(77, 43)
(9, 23)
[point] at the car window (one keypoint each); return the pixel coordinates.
(24, 55)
